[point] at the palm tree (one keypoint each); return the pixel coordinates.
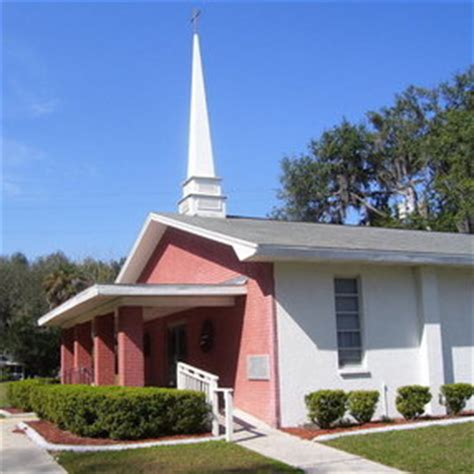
(62, 284)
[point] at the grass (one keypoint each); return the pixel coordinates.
(211, 457)
(3, 395)
(438, 449)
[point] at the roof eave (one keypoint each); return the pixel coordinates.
(103, 296)
(284, 253)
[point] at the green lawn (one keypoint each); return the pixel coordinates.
(211, 457)
(439, 449)
(3, 395)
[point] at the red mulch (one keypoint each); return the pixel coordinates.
(310, 432)
(13, 411)
(53, 434)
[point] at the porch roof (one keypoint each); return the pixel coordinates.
(165, 299)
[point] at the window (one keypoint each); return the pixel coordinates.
(349, 341)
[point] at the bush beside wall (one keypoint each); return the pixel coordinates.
(19, 393)
(362, 404)
(122, 412)
(411, 400)
(454, 396)
(325, 407)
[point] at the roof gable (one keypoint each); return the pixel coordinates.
(266, 240)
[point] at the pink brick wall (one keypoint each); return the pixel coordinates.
(82, 347)
(131, 370)
(67, 353)
(248, 328)
(104, 350)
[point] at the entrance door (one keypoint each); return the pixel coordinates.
(176, 350)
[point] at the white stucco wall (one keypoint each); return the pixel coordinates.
(456, 288)
(391, 331)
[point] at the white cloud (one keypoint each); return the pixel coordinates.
(29, 89)
(17, 157)
(44, 107)
(15, 154)
(11, 189)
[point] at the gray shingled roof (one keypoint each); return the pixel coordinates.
(270, 233)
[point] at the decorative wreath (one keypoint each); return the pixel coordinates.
(206, 339)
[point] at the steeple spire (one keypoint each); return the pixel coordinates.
(202, 194)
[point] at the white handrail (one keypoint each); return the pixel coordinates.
(197, 372)
(192, 378)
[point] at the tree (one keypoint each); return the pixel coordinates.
(37, 348)
(409, 166)
(400, 165)
(27, 290)
(450, 144)
(64, 283)
(332, 180)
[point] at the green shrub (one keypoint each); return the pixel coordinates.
(19, 393)
(455, 396)
(122, 412)
(325, 407)
(411, 400)
(362, 404)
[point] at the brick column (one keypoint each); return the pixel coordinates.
(104, 350)
(131, 362)
(82, 352)
(67, 355)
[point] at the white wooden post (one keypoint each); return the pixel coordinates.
(229, 414)
(214, 399)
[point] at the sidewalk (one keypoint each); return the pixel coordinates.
(20, 455)
(307, 455)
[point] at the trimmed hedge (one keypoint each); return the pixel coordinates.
(362, 404)
(455, 396)
(325, 407)
(411, 400)
(19, 393)
(122, 412)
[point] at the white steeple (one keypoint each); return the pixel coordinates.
(202, 193)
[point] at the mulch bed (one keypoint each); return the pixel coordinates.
(312, 431)
(13, 411)
(51, 433)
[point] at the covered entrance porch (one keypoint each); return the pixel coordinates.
(134, 335)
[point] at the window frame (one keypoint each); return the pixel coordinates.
(360, 312)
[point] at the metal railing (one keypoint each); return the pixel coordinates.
(81, 375)
(192, 378)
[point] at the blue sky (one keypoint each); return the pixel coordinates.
(96, 97)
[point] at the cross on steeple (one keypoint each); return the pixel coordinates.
(194, 19)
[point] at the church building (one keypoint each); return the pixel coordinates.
(273, 309)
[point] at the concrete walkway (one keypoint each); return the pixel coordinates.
(307, 455)
(20, 455)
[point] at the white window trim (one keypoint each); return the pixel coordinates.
(360, 368)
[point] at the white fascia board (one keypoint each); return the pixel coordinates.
(141, 251)
(151, 233)
(105, 294)
(244, 249)
(282, 253)
(80, 298)
(172, 290)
